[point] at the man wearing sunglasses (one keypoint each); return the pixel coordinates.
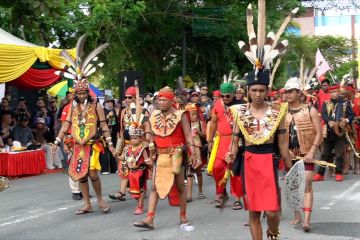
(220, 131)
(126, 118)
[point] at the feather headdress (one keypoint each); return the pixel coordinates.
(263, 49)
(79, 70)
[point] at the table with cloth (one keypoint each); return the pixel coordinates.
(22, 163)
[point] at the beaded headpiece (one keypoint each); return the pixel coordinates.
(80, 70)
(135, 130)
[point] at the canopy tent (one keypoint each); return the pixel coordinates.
(28, 65)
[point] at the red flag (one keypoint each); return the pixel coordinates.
(322, 65)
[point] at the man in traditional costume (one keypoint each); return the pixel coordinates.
(171, 136)
(220, 131)
(83, 119)
(304, 134)
(261, 125)
(127, 117)
(337, 115)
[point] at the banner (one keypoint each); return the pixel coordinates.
(323, 66)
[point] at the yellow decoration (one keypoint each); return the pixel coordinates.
(95, 158)
(249, 138)
(210, 166)
(16, 60)
(228, 173)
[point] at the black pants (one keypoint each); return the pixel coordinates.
(338, 144)
(108, 162)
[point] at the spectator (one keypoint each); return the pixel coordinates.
(5, 127)
(107, 161)
(5, 106)
(195, 97)
(22, 133)
(204, 90)
(42, 136)
(22, 111)
(41, 112)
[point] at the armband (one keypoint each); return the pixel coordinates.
(237, 134)
(57, 141)
(281, 131)
(151, 146)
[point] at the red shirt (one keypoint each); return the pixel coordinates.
(177, 138)
(223, 124)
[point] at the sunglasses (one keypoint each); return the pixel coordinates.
(128, 97)
(226, 96)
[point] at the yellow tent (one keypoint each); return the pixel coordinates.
(17, 56)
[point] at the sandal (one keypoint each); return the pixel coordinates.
(85, 209)
(306, 228)
(237, 205)
(188, 199)
(142, 224)
(201, 196)
(120, 197)
(220, 203)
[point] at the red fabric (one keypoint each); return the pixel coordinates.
(322, 97)
(173, 196)
(223, 126)
(135, 178)
(356, 110)
(176, 139)
(334, 87)
(236, 186)
(130, 92)
(260, 185)
(23, 163)
(167, 95)
(220, 166)
(217, 93)
(36, 78)
(65, 112)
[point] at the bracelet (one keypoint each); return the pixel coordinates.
(151, 146)
(58, 139)
(189, 145)
(108, 138)
(147, 160)
(110, 143)
(56, 142)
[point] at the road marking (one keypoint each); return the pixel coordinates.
(339, 197)
(36, 213)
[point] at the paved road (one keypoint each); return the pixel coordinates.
(41, 208)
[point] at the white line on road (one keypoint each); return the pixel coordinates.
(35, 214)
(339, 197)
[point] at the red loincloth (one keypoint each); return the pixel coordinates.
(260, 185)
(137, 181)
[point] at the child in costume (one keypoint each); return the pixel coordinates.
(136, 156)
(198, 133)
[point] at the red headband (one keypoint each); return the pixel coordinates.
(334, 87)
(130, 92)
(167, 94)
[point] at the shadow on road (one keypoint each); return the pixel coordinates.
(345, 229)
